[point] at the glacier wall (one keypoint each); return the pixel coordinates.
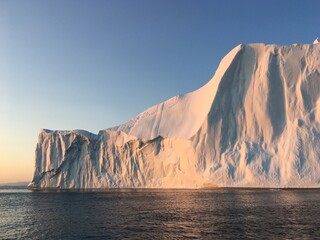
(256, 123)
(113, 159)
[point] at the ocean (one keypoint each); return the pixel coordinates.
(160, 214)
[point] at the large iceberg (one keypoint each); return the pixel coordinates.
(256, 123)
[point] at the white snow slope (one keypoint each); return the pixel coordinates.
(256, 123)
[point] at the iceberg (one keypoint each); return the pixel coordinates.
(256, 123)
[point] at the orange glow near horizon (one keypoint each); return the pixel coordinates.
(16, 159)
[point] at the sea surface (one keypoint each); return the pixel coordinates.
(160, 214)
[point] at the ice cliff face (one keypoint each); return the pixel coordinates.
(255, 124)
(113, 159)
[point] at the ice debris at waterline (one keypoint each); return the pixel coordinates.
(256, 123)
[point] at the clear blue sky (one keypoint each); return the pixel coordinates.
(95, 64)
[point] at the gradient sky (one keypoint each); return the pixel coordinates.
(96, 64)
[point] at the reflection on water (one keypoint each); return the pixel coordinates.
(160, 214)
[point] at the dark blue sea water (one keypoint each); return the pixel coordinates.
(160, 214)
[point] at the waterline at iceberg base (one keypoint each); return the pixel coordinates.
(256, 123)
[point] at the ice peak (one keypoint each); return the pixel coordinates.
(316, 41)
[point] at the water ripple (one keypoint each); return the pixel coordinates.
(160, 214)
